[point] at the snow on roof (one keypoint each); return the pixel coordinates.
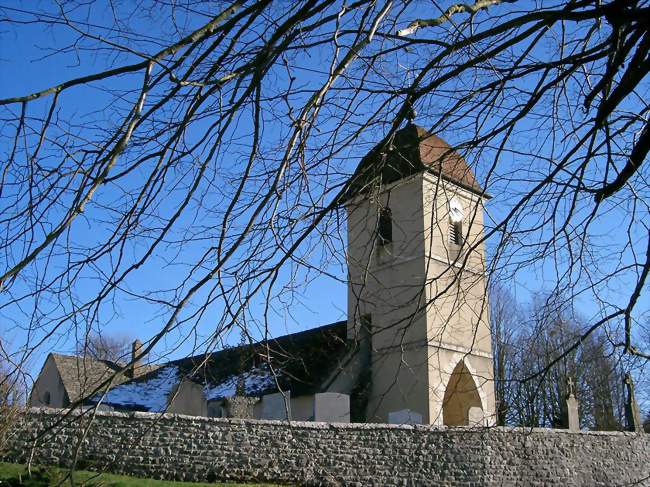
(300, 363)
(151, 394)
(256, 381)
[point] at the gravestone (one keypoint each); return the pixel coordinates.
(404, 416)
(276, 406)
(332, 407)
(476, 416)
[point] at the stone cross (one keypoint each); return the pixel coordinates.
(572, 406)
(570, 386)
(632, 414)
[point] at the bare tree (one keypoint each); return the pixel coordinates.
(527, 338)
(113, 348)
(12, 397)
(506, 319)
(203, 147)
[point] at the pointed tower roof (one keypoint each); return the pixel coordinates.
(414, 150)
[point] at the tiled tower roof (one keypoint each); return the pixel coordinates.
(413, 150)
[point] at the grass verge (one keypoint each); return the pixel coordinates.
(15, 475)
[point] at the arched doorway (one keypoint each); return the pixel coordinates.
(460, 396)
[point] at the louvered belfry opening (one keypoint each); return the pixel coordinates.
(455, 232)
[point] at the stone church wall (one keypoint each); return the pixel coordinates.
(208, 449)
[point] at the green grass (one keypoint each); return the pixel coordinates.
(13, 475)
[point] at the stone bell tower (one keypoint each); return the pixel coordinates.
(417, 283)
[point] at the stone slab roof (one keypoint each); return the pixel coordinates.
(81, 375)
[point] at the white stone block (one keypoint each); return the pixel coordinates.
(276, 406)
(332, 407)
(476, 417)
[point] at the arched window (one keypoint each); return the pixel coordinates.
(47, 398)
(385, 230)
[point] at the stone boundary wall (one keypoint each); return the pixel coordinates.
(208, 449)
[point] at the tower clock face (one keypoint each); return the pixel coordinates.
(455, 210)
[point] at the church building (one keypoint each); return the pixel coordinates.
(416, 345)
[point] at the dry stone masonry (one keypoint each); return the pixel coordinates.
(209, 449)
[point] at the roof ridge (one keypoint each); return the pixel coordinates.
(236, 347)
(89, 358)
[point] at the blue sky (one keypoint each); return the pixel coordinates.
(25, 66)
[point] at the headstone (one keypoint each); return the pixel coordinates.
(476, 416)
(332, 407)
(276, 406)
(404, 416)
(632, 414)
(240, 407)
(217, 409)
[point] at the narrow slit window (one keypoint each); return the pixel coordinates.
(366, 322)
(455, 233)
(365, 333)
(385, 226)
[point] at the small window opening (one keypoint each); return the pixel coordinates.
(47, 398)
(385, 230)
(456, 233)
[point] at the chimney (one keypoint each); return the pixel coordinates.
(135, 368)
